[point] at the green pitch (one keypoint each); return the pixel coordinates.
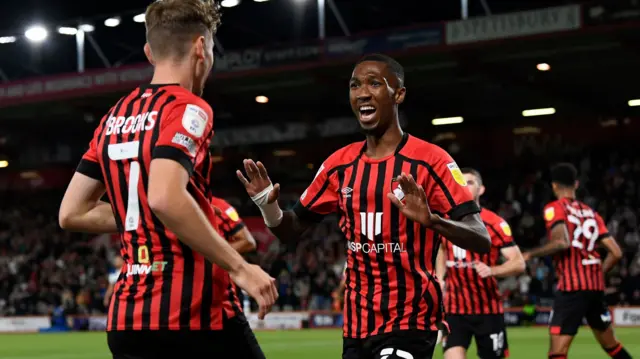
(524, 343)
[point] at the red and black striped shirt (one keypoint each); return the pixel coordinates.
(229, 223)
(390, 279)
(466, 292)
(163, 283)
(579, 267)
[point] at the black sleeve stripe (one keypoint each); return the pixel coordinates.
(175, 154)
(235, 229)
(470, 207)
(306, 214)
(560, 221)
(493, 229)
(91, 169)
(507, 245)
(603, 236)
(318, 195)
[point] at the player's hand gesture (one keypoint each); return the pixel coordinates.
(415, 206)
(258, 181)
(483, 270)
(259, 285)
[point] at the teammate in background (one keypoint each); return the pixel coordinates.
(113, 279)
(150, 154)
(395, 196)
(472, 300)
(574, 229)
(233, 229)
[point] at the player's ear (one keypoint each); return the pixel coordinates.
(400, 93)
(481, 191)
(577, 184)
(149, 54)
(200, 47)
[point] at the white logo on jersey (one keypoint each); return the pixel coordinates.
(132, 124)
(371, 224)
(194, 120)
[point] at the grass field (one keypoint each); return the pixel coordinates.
(524, 343)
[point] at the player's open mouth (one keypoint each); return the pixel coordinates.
(367, 113)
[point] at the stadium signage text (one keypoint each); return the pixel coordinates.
(523, 23)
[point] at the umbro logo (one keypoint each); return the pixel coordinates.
(346, 192)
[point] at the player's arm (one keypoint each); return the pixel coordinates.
(514, 263)
(182, 136)
(558, 242)
(441, 265)
(468, 232)
(81, 209)
(242, 241)
(317, 201)
(614, 253)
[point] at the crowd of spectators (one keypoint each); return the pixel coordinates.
(43, 267)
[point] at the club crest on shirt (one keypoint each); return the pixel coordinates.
(231, 213)
(549, 214)
(396, 189)
(456, 173)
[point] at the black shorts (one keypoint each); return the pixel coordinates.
(569, 309)
(409, 344)
(488, 329)
(236, 340)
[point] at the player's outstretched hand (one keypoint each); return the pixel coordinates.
(415, 206)
(258, 180)
(259, 285)
(482, 269)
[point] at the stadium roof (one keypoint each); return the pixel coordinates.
(246, 25)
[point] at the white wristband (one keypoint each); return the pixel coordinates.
(271, 212)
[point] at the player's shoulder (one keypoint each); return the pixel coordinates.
(185, 98)
(220, 203)
(553, 210)
(419, 149)
(343, 156)
(490, 216)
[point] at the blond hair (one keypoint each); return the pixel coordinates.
(172, 25)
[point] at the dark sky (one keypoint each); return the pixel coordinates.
(246, 25)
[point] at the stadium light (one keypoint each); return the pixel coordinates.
(64, 30)
(139, 18)
(539, 112)
(447, 120)
(260, 0)
(4, 164)
(36, 33)
(7, 39)
(112, 22)
(86, 27)
(262, 99)
(543, 67)
(284, 153)
(229, 3)
(634, 103)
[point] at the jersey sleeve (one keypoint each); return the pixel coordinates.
(320, 198)
(553, 215)
(603, 231)
(446, 189)
(184, 131)
(231, 221)
(502, 237)
(89, 164)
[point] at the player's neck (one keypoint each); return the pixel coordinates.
(568, 194)
(380, 146)
(171, 73)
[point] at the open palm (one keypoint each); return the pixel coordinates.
(258, 181)
(415, 206)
